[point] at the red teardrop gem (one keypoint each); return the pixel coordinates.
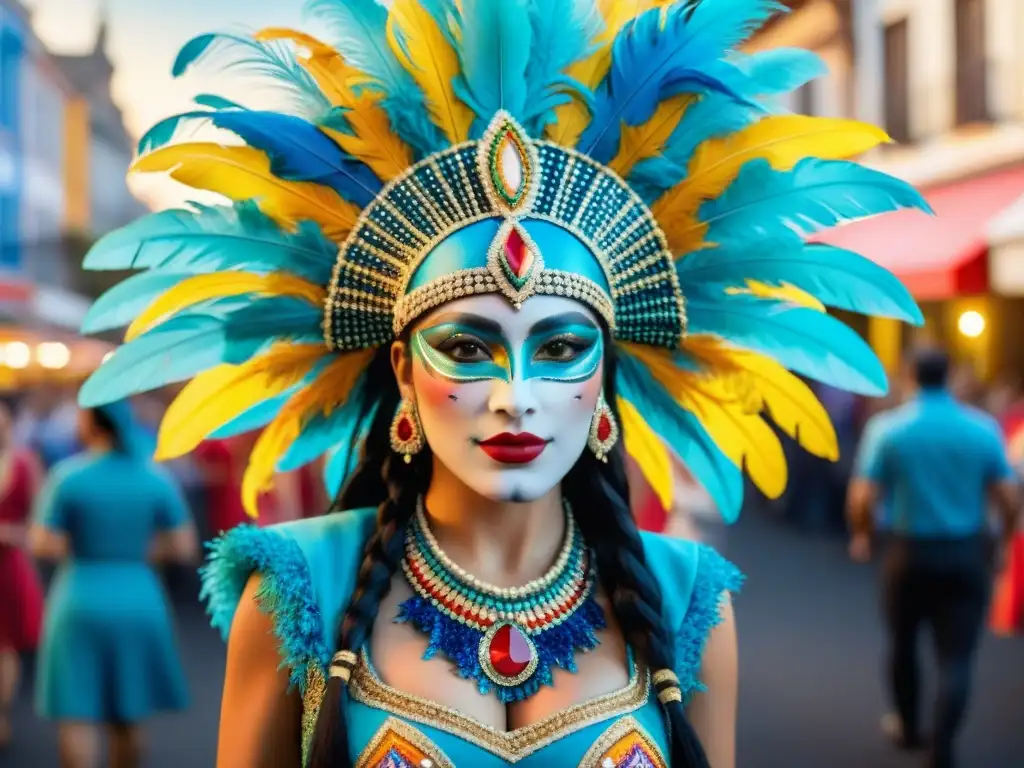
(404, 430)
(516, 252)
(509, 651)
(604, 428)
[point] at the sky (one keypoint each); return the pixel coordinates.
(143, 38)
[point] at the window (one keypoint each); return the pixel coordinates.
(897, 82)
(971, 80)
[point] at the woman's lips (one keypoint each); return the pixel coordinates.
(507, 448)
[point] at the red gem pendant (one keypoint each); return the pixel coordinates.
(507, 654)
(404, 429)
(604, 428)
(517, 255)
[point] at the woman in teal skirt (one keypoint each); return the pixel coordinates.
(108, 658)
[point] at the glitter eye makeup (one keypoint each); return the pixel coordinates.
(463, 350)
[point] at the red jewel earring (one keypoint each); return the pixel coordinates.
(406, 431)
(604, 431)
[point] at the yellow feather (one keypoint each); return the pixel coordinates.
(572, 117)
(735, 426)
(642, 141)
(372, 141)
(427, 55)
(651, 455)
(787, 400)
(215, 397)
(241, 173)
(330, 390)
(783, 292)
(782, 140)
(217, 285)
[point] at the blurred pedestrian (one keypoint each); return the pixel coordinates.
(108, 658)
(21, 609)
(936, 462)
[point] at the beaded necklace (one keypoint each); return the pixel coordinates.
(506, 638)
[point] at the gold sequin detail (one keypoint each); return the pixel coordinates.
(406, 740)
(512, 746)
(316, 687)
(618, 740)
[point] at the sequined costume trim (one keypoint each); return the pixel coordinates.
(399, 745)
(512, 746)
(624, 745)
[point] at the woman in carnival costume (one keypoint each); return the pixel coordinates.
(490, 247)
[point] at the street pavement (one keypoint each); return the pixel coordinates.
(810, 677)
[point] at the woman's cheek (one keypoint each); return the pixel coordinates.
(434, 391)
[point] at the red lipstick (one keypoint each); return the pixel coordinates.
(514, 449)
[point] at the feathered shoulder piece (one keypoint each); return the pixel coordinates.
(623, 153)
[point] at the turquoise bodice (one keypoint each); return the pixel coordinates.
(309, 570)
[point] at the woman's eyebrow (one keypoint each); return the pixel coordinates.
(558, 322)
(476, 322)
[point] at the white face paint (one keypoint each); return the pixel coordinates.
(506, 396)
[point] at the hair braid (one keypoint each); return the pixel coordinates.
(602, 490)
(382, 554)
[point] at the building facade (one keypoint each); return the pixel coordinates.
(13, 30)
(946, 80)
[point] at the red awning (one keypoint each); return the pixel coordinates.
(939, 256)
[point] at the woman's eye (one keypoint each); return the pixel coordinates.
(467, 351)
(560, 349)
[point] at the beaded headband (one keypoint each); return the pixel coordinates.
(510, 177)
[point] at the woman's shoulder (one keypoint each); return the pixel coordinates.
(307, 570)
(694, 579)
(72, 467)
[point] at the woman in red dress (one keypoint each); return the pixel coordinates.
(22, 609)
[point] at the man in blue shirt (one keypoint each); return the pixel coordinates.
(935, 465)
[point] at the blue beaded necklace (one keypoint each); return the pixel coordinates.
(507, 639)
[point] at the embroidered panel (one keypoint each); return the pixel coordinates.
(399, 745)
(626, 744)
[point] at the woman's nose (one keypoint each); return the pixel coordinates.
(513, 397)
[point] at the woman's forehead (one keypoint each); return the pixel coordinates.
(514, 322)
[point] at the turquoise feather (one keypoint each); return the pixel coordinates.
(272, 60)
(117, 307)
(323, 432)
(781, 70)
(682, 432)
(213, 238)
(196, 340)
(256, 417)
(803, 340)
(357, 29)
(784, 206)
(563, 33)
(343, 457)
(497, 38)
(835, 277)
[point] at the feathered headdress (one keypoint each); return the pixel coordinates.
(620, 152)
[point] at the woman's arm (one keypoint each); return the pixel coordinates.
(713, 712)
(260, 720)
(48, 544)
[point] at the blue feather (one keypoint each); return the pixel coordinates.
(781, 70)
(272, 60)
(167, 130)
(121, 304)
(783, 206)
(803, 340)
(357, 30)
(210, 239)
(563, 33)
(299, 151)
(194, 341)
(344, 456)
(325, 431)
(681, 431)
(496, 42)
(713, 116)
(659, 54)
(835, 277)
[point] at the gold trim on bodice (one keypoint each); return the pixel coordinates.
(616, 742)
(367, 688)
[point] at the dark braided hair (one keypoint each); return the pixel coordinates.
(608, 526)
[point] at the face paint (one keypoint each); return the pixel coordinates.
(491, 381)
(566, 348)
